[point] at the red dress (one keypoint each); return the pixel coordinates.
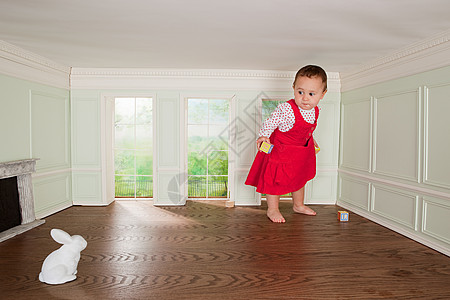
(292, 161)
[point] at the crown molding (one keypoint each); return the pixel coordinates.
(425, 55)
(17, 62)
(177, 73)
(141, 78)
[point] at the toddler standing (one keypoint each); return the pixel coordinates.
(292, 161)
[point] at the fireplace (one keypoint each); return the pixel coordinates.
(16, 197)
(10, 215)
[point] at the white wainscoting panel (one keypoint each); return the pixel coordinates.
(50, 136)
(395, 204)
(356, 135)
(245, 195)
(322, 189)
(354, 191)
(437, 136)
(327, 133)
(86, 187)
(397, 135)
(171, 188)
(168, 132)
(436, 218)
(85, 132)
(51, 193)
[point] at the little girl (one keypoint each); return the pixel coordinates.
(292, 161)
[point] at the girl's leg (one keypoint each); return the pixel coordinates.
(273, 212)
(298, 197)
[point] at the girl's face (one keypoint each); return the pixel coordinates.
(308, 92)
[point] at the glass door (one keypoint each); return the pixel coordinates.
(207, 148)
(133, 144)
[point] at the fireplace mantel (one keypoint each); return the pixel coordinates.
(22, 169)
(17, 167)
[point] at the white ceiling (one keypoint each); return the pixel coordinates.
(228, 34)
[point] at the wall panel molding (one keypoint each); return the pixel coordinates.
(329, 145)
(409, 186)
(436, 142)
(354, 191)
(322, 189)
(52, 193)
(436, 213)
(394, 204)
(49, 130)
(168, 133)
(85, 132)
(356, 135)
(397, 135)
(171, 188)
(245, 195)
(86, 188)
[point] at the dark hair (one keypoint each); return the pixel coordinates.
(311, 71)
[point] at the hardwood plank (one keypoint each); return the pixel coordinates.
(207, 251)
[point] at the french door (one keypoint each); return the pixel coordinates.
(208, 153)
(133, 148)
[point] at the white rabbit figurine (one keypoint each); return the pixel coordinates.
(60, 266)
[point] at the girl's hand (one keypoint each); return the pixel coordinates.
(316, 146)
(260, 141)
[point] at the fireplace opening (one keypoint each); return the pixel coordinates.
(10, 215)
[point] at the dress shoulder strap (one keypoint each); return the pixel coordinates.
(316, 110)
(294, 108)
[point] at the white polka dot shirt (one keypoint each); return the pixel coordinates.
(283, 118)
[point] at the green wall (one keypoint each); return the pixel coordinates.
(394, 162)
(35, 122)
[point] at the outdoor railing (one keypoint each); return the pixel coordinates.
(196, 188)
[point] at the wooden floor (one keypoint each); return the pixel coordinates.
(207, 251)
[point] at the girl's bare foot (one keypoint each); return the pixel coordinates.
(302, 209)
(275, 216)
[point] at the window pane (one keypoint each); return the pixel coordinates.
(144, 186)
(218, 111)
(218, 137)
(144, 111)
(144, 163)
(197, 111)
(196, 163)
(197, 137)
(144, 136)
(125, 186)
(124, 111)
(268, 106)
(124, 136)
(218, 163)
(217, 186)
(124, 162)
(197, 186)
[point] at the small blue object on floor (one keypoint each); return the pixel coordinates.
(343, 216)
